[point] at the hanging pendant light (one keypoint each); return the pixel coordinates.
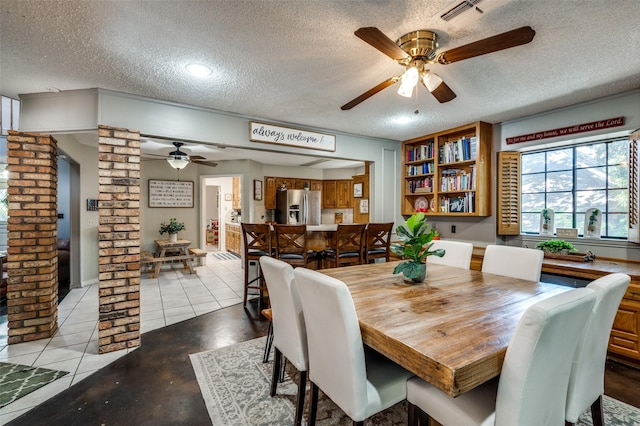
(178, 159)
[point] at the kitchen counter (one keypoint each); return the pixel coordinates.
(323, 227)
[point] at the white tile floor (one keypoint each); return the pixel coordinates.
(173, 297)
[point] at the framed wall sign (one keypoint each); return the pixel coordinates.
(257, 190)
(269, 133)
(357, 190)
(170, 193)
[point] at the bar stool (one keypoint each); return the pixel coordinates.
(257, 243)
(378, 239)
(348, 246)
(291, 245)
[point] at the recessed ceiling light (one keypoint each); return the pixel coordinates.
(403, 120)
(199, 70)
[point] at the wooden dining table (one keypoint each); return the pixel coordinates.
(452, 330)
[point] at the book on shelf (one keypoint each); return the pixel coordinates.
(422, 152)
(463, 149)
(459, 204)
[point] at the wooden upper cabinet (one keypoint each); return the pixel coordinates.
(329, 196)
(316, 185)
(448, 173)
(344, 194)
(270, 189)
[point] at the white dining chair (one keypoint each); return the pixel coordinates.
(586, 383)
(514, 262)
(457, 254)
(532, 387)
(289, 332)
(360, 385)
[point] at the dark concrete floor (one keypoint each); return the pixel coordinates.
(156, 385)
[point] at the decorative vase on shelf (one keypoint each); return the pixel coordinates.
(592, 222)
(173, 238)
(546, 222)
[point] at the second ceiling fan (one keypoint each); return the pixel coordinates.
(417, 50)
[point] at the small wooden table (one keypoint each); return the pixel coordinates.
(451, 331)
(167, 251)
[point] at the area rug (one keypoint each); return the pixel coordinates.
(18, 380)
(235, 386)
(225, 255)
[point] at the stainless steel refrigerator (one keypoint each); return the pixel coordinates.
(297, 207)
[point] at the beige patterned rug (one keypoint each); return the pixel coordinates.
(235, 386)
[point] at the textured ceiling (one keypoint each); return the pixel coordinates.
(299, 61)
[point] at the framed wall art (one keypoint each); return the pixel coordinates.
(257, 190)
(170, 193)
(357, 190)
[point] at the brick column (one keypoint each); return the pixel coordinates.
(32, 267)
(119, 235)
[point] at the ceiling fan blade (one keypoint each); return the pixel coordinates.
(380, 41)
(204, 162)
(512, 38)
(442, 93)
(366, 95)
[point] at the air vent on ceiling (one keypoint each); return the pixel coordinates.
(458, 9)
(461, 13)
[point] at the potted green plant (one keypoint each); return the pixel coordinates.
(172, 228)
(593, 218)
(546, 217)
(556, 246)
(415, 234)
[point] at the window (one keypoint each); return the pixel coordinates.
(570, 180)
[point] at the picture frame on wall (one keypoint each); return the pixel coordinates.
(357, 190)
(257, 190)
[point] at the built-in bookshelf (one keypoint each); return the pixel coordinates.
(448, 173)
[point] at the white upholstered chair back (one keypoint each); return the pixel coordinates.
(289, 332)
(535, 373)
(457, 254)
(532, 387)
(336, 352)
(515, 262)
(586, 383)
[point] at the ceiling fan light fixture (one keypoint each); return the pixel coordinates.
(431, 80)
(409, 80)
(178, 162)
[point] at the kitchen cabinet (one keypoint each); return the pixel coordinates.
(329, 196)
(233, 238)
(270, 189)
(344, 194)
(337, 194)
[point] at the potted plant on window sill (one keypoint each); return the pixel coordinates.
(564, 250)
(172, 228)
(415, 234)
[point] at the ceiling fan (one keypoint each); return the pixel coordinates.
(179, 160)
(417, 50)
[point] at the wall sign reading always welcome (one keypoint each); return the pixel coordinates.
(262, 132)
